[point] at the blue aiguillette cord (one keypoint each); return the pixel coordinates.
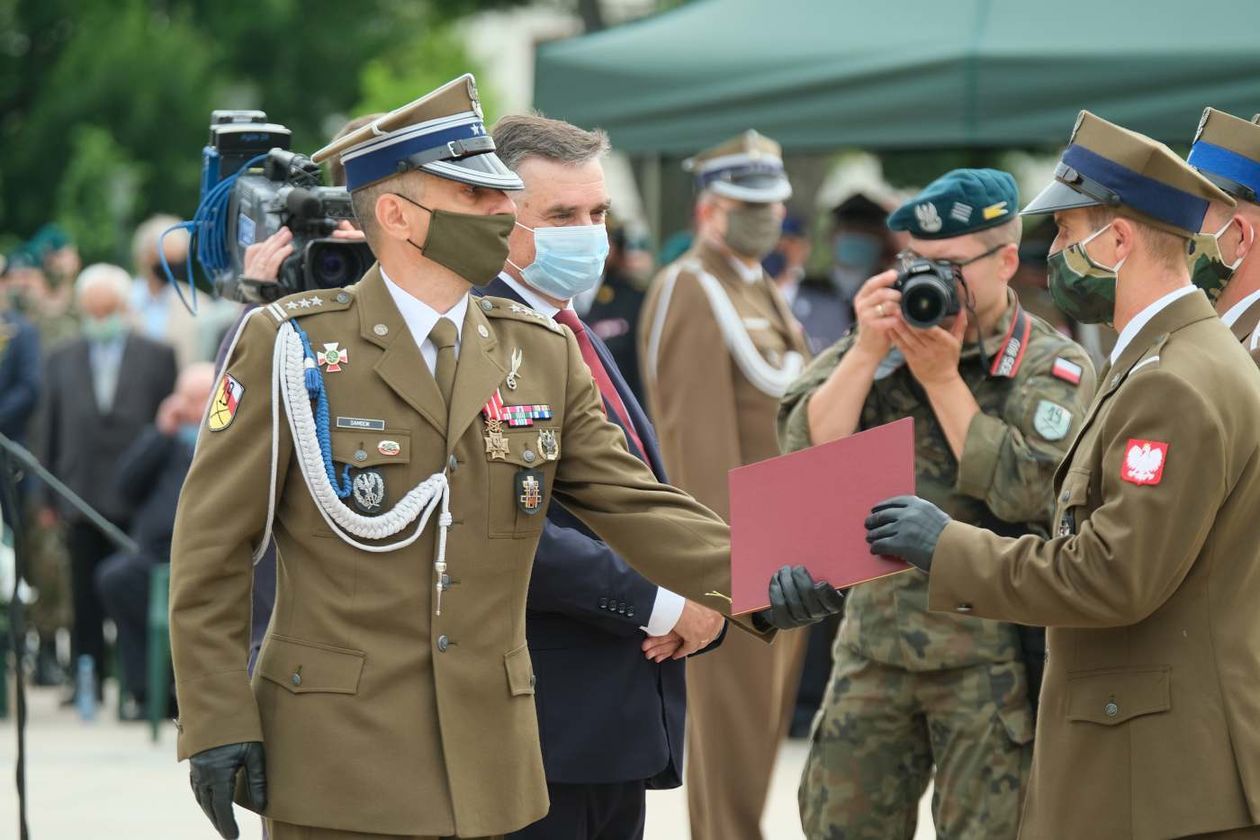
(315, 389)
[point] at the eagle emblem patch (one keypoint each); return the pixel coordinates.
(928, 218)
(1144, 461)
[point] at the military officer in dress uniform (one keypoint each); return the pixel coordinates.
(996, 394)
(1224, 261)
(374, 433)
(718, 345)
(1149, 587)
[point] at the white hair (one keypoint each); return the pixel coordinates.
(144, 244)
(113, 277)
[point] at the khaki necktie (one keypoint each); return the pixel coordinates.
(443, 336)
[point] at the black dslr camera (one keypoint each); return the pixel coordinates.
(929, 291)
(260, 186)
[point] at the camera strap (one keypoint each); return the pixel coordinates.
(1014, 344)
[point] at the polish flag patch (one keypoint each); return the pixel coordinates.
(1067, 371)
(1144, 461)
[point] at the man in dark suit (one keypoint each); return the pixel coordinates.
(100, 391)
(608, 646)
(149, 476)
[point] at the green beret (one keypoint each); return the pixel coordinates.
(957, 203)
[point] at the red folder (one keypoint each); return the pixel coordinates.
(808, 508)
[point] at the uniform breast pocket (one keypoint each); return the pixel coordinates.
(376, 465)
(1072, 504)
(521, 465)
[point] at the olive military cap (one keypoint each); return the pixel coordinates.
(1226, 151)
(1106, 165)
(748, 168)
(442, 133)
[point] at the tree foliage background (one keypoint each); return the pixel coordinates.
(104, 104)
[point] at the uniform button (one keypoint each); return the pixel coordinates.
(443, 643)
(1065, 496)
(533, 680)
(380, 329)
(342, 297)
(529, 456)
(487, 305)
(296, 679)
(630, 612)
(360, 455)
(1111, 710)
(603, 603)
(963, 608)
(482, 331)
(621, 609)
(451, 463)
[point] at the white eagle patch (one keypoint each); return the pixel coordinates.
(1144, 461)
(929, 220)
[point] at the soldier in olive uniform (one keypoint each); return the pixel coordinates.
(718, 345)
(401, 443)
(1224, 261)
(996, 396)
(1149, 713)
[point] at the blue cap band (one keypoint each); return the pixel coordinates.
(1226, 163)
(1154, 198)
(382, 162)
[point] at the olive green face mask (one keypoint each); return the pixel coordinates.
(1083, 289)
(471, 245)
(1208, 269)
(752, 230)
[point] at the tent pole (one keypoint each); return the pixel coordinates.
(652, 196)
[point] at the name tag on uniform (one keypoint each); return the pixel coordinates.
(360, 423)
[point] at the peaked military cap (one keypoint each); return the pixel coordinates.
(1226, 151)
(1106, 165)
(957, 203)
(748, 168)
(442, 133)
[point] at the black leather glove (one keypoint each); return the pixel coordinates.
(213, 778)
(796, 600)
(907, 527)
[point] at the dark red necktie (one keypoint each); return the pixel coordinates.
(606, 388)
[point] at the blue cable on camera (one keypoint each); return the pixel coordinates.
(315, 389)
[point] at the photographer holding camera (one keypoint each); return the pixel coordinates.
(996, 395)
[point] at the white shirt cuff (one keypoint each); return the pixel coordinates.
(666, 611)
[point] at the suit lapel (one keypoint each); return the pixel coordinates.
(1182, 312)
(479, 372)
(400, 366)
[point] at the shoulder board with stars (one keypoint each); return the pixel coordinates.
(501, 308)
(308, 303)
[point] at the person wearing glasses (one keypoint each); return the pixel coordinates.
(997, 395)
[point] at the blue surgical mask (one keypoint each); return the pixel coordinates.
(567, 260)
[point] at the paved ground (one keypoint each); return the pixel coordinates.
(106, 780)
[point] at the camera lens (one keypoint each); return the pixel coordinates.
(924, 301)
(336, 264)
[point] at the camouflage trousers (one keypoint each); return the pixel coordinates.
(881, 730)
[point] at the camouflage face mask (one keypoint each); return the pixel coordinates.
(1208, 269)
(1083, 289)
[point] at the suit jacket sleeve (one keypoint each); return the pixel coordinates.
(19, 399)
(221, 517)
(669, 537)
(694, 405)
(139, 466)
(1131, 552)
(573, 572)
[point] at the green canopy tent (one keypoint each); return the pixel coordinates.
(825, 74)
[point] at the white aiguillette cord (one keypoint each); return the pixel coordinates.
(289, 384)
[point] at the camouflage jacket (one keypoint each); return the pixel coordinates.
(1003, 482)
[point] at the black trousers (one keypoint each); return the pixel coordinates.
(88, 549)
(122, 582)
(590, 812)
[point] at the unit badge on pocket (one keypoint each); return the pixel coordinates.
(529, 491)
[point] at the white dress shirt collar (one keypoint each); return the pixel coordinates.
(420, 318)
(1235, 312)
(536, 301)
(1144, 317)
(748, 273)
